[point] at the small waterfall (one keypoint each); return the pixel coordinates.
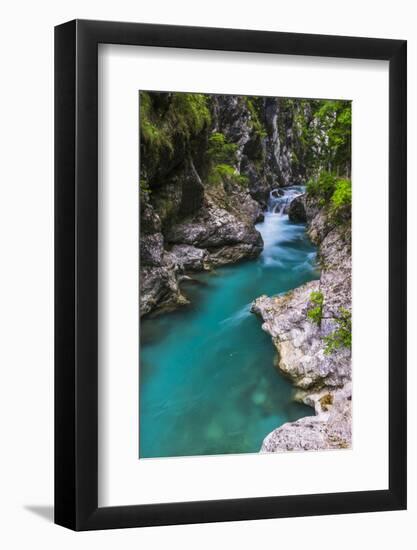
(280, 198)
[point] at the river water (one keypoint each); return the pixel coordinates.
(208, 384)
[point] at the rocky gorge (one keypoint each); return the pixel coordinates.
(208, 167)
(205, 179)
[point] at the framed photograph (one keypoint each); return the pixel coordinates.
(230, 252)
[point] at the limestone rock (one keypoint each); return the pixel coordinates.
(158, 269)
(323, 379)
(331, 428)
(190, 258)
(227, 238)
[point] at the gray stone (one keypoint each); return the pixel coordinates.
(323, 379)
(296, 210)
(190, 258)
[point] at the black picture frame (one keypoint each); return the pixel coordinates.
(76, 272)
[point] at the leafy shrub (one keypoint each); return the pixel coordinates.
(334, 193)
(322, 187)
(222, 155)
(315, 310)
(220, 150)
(224, 172)
(342, 335)
(341, 200)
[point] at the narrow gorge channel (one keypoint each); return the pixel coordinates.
(207, 377)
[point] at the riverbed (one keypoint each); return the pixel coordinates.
(208, 383)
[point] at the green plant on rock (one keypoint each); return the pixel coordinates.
(170, 122)
(220, 150)
(152, 133)
(224, 172)
(322, 187)
(315, 309)
(189, 114)
(342, 335)
(334, 193)
(144, 186)
(341, 200)
(222, 155)
(253, 108)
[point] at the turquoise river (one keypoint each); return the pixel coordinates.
(208, 380)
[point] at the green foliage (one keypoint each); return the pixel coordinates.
(188, 114)
(224, 172)
(322, 187)
(169, 117)
(342, 335)
(315, 309)
(323, 129)
(220, 150)
(334, 193)
(253, 104)
(144, 186)
(222, 155)
(341, 200)
(152, 133)
(334, 123)
(174, 123)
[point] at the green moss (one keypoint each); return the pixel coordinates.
(252, 103)
(144, 186)
(152, 132)
(169, 120)
(342, 335)
(188, 114)
(222, 155)
(315, 309)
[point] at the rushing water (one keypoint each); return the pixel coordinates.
(208, 384)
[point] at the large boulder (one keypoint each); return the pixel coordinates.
(299, 341)
(296, 210)
(219, 232)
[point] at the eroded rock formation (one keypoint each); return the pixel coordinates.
(321, 375)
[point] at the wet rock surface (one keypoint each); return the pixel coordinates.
(297, 210)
